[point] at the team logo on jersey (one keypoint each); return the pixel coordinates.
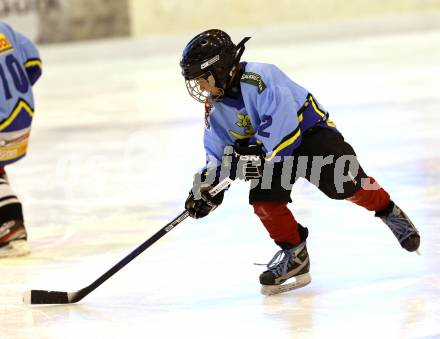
(245, 123)
(254, 79)
(5, 45)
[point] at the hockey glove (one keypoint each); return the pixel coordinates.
(249, 161)
(205, 204)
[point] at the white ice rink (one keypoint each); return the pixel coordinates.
(115, 142)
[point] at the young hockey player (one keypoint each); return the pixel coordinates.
(278, 132)
(20, 67)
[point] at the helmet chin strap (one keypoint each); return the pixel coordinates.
(240, 50)
(229, 76)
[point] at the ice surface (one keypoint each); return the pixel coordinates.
(115, 142)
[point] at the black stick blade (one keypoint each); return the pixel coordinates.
(40, 297)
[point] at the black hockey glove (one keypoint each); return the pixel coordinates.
(249, 161)
(201, 207)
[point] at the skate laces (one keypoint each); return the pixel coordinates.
(279, 264)
(399, 224)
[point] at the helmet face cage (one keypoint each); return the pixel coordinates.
(195, 90)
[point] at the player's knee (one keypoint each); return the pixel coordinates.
(347, 178)
(268, 209)
(348, 191)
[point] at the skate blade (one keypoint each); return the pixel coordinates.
(298, 282)
(16, 248)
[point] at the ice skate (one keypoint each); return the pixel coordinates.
(13, 239)
(401, 226)
(288, 270)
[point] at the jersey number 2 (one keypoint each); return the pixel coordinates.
(266, 122)
(18, 75)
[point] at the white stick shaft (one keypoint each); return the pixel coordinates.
(220, 187)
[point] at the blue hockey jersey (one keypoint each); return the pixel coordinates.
(272, 110)
(20, 68)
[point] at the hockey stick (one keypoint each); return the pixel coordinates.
(57, 297)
